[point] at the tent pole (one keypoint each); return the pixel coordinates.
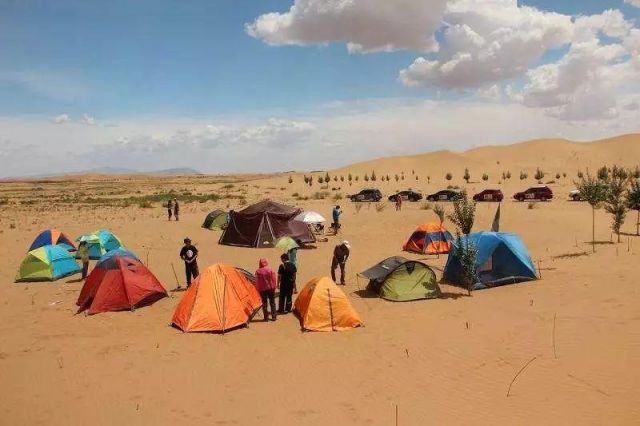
(331, 310)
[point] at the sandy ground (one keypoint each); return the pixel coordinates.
(446, 361)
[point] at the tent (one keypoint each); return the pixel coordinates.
(47, 263)
(501, 259)
(311, 218)
(216, 220)
(52, 237)
(100, 242)
(261, 224)
(429, 238)
(220, 299)
(322, 306)
(119, 283)
(117, 252)
(399, 279)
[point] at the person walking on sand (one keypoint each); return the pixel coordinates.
(176, 209)
(398, 202)
(189, 254)
(340, 255)
(286, 283)
(266, 283)
(169, 208)
(83, 254)
(336, 218)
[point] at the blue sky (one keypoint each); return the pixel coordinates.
(124, 60)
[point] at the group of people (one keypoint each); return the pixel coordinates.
(173, 208)
(267, 280)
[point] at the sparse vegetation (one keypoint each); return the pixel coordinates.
(580, 175)
(467, 175)
(508, 174)
(539, 174)
(523, 175)
(615, 203)
(320, 195)
(467, 252)
(373, 176)
(603, 173)
(557, 176)
(448, 176)
(290, 180)
(633, 201)
(532, 205)
(464, 212)
(485, 177)
(397, 177)
(439, 211)
(337, 196)
(594, 192)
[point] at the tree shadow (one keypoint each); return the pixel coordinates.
(366, 294)
(75, 281)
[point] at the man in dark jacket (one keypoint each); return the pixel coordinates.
(286, 283)
(189, 254)
(340, 255)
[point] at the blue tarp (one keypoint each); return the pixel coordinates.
(502, 258)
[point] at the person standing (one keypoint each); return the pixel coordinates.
(293, 253)
(336, 218)
(286, 283)
(340, 255)
(266, 283)
(176, 209)
(189, 254)
(398, 202)
(169, 208)
(83, 254)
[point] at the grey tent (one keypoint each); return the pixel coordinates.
(215, 220)
(399, 279)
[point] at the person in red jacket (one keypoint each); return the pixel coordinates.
(266, 283)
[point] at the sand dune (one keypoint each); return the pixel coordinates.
(446, 361)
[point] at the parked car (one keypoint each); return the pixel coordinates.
(541, 193)
(367, 195)
(444, 195)
(406, 196)
(575, 195)
(489, 195)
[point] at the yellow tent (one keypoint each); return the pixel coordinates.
(323, 306)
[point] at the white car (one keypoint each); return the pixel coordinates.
(575, 195)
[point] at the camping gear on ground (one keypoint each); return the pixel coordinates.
(501, 259)
(47, 263)
(220, 299)
(117, 252)
(399, 279)
(310, 218)
(100, 242)
(429, 238)
(216, 220)
(52, 237)
(322, 306)
(286, 243)
(261, 224)
(119, 283)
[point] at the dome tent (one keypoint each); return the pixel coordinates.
(322, 306)
(429, 238)
(501, 259)
(399, 280)
(100, 242)
(216, 220)
(52, 237)
(47, 263)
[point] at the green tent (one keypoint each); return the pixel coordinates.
(400, 280)
(47, 263)
(216, 220)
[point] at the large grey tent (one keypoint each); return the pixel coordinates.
(399, 279)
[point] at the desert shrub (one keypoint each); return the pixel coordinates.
(350, 177)
(532, 205)
(485, 177)
(557, 175)
(580, 175)
(373, 176)
(402, 176)
(464, 212)
(603, 173)
(635, 173)
(337, 196)
(439, 211)
(295, 195)
(356, 178)
(320, 180)
(539, 174)
(397, 177)
(564, 175)
(320, 195)
(428, 179)
(508, 174)
(523, 175)
(549, 182)
(380, 207)
(12, 226)
(327, 178)
(282, 188)
(426, 205)
(466, 175)
(290, 180)
(417, 178)
(448, 176)
(4, 201)
(341, 178)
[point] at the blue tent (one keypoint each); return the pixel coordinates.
(100, 242)
(502, 259)
(47, 263)
(117, 252)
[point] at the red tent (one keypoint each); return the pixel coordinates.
(117, 284)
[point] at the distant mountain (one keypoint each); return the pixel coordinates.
(182, 171)
(178, 171)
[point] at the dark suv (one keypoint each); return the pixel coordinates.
(541, 193)
(489, 195)
(367, 195)
(444, 195)
(406, 196)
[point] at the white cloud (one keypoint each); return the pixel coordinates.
(55, 84)
(61, 119)
(365, 25)
(487, 41)
(87, 120)
(635, 3)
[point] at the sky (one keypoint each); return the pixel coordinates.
(227, 86)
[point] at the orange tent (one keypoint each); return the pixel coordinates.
(429, 238)
(323, 306)
(220, 299)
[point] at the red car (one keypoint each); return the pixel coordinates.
(541, 193)
(489, 195)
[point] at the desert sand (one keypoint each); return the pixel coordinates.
(444, 361)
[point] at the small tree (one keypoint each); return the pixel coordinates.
(428, 179)
(633, 201)
(335, 178)
(402, 177)
(485, 177)
(539, 174)
(397, 177)
(320, 180)
(342, 178)
(350, 177)
(564, 175)
(603, 173)
(504, 176)
(310, 181)
(557, 175)
(508, 174)
(387, 178)
(306, 179)
(636, 173)
(594, 192)
(464, 213)
(327, 178)
(615, 202)
(523, 175)
(466, 252)
(366, 177)
(356, 178)
(448, 176)
(290, 180)
(439, 211)
(466, 176)
(580, 175)
(373, 176)
(417, 177)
